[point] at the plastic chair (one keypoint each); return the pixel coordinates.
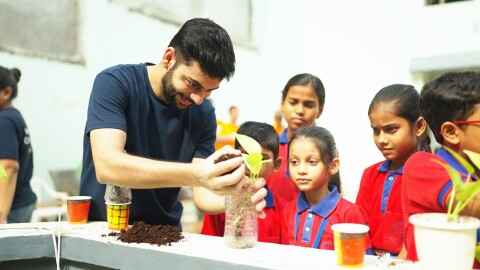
(47, 210)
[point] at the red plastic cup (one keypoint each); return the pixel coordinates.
(77, 209)
(349, 241)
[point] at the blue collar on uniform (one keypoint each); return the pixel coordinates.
(269, 198)
(385, 167)
(442, 153)
(283, 137)
(324, 207)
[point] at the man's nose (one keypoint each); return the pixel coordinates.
(198, 97)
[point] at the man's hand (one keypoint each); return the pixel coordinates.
(225, 177)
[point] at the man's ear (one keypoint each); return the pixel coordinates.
(276, 164)
(449, 132)
(334, 166)
(168, 58)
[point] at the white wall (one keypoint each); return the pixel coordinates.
(355, 47)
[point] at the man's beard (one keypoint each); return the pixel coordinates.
(170, 92)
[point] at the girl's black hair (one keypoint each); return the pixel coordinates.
(450, 97)
(404, 101)
(306, 79)
(10, 77)
(326, 145)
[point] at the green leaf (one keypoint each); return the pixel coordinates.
(3, 174)
(454, 174)
(254, 162)
(474, 157)
(477, 252)
(470, 169)
(248, 144)
(468, 190)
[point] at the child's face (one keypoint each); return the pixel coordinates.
(306, 166)
(267, 168)
(469, 136)
(300, 107)
(393, 135)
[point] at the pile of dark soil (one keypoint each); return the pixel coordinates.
(159, 235)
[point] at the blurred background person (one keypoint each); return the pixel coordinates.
(226, 130)
(277, 124)
(17, 200)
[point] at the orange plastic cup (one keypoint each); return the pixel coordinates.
(77, 209)
(117, 215)
(349, 241)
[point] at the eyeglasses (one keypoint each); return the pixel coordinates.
(466, 122)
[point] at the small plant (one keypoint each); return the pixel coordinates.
(3, 174)
(253, 160)
(241, 218)
(463, 192)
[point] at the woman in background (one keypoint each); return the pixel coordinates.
(17, 200)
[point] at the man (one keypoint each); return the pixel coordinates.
(148, 128)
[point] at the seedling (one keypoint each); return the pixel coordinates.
(254, 161)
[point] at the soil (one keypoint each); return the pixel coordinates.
(226, 157)
(140, 232)
(116, 194)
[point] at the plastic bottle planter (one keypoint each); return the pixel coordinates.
(241, 224)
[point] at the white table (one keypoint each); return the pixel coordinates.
(86, 247)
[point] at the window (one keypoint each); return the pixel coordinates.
(233, 15)
(48, 29)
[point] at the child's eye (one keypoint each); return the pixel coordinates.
(376, 130)
(293, 162)
(391, 129)
(313, 162)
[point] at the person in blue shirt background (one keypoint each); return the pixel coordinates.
(17, 200)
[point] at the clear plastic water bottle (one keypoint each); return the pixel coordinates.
(241, 224)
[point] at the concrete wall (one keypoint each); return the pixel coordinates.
(355, 47)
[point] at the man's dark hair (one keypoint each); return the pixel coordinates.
(450, 97)
(204, 41)
(263, 133)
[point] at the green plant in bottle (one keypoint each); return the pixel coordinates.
(241, 218)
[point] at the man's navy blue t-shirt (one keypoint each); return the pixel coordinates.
(15, 144)
(122, 98)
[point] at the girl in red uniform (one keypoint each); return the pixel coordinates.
(314, 167)
(399, 131)
(303, 99)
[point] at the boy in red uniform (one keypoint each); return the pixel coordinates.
(399, 131)
(451, 107)
(314, 167)
(269, 227)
